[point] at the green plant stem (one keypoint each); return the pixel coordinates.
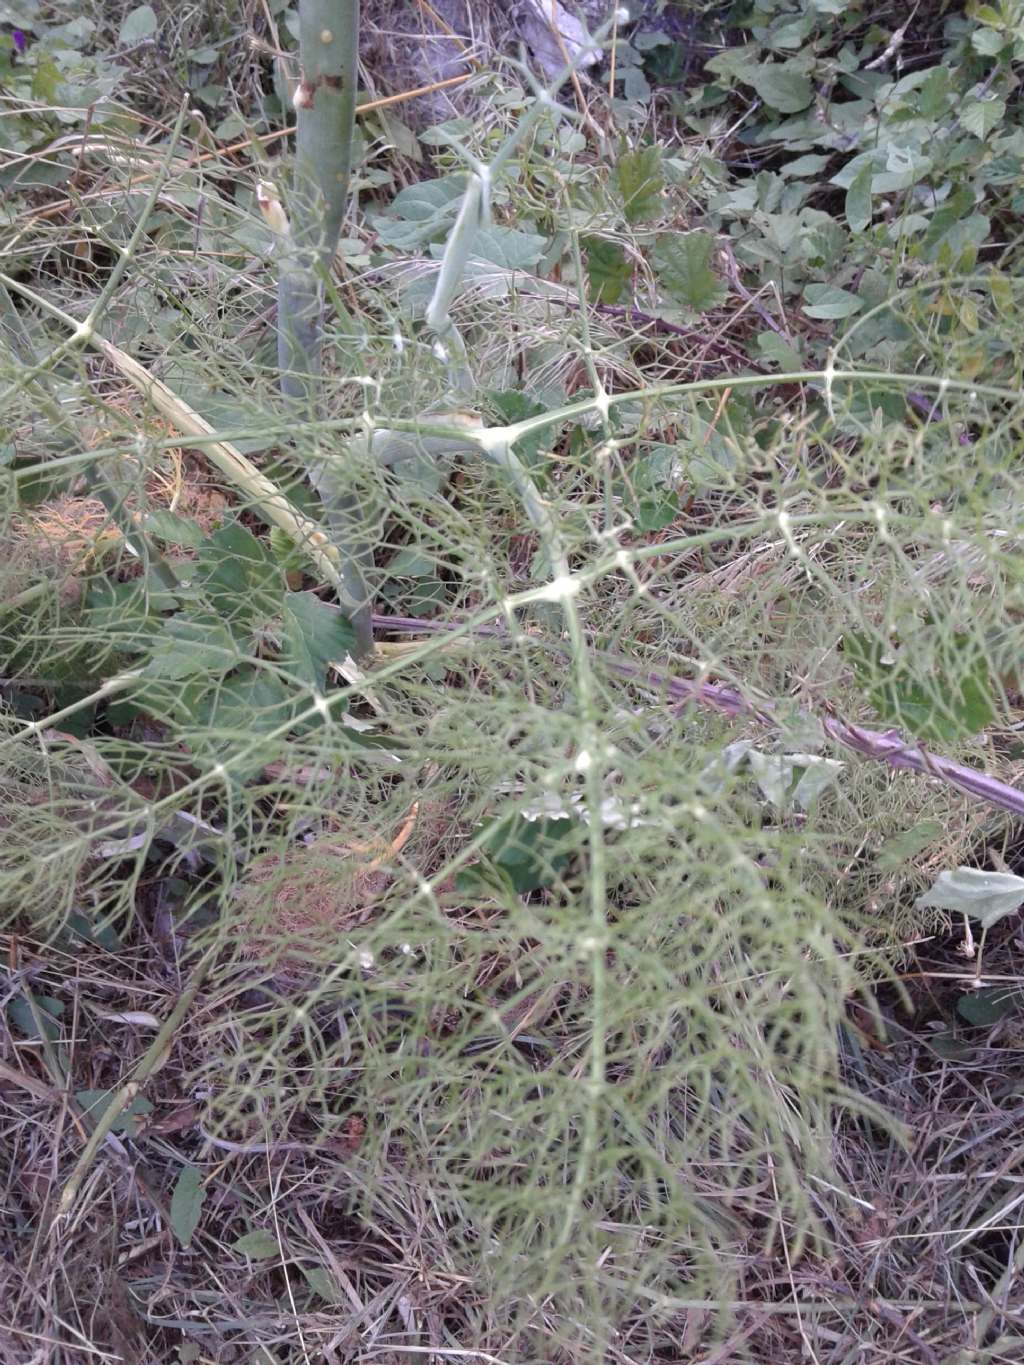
(595, 383)
(205, 436)
(325, 117)
(153, 1054)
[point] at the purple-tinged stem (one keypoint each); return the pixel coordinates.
(885, 746)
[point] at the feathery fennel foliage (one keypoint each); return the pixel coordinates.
(573, 951)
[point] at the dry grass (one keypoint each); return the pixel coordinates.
(906, 1266)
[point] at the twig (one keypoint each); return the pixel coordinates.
(154, 1054)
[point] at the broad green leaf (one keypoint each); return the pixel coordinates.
(780, 86)
(608, 269)
(46, 80)
(315, 636)
(990, 1005)
(792, 779)
(946, 1045)
(980, 117)
(640, 182)
(504, 247)
(682, 264)
(531, 853)
(777, 351)
(420, 214)
(650, 491)
(187, 1203)
(514, 406)
(102, 935)
(258, 1245)
(411, 562)
(947, 698)
(1003, 293)
(898, 850)
(187, 647)
(986, 896)
(137, 25)
(322, 1283)
(239, 575)
(654, 514)
(790, 33)
(95, 1103)
(933, 95)
(174, 530)
(858, 200)
(829, 301)
(20, 1015)
(229, 415)
(804, 166)
(225, 722)
(988, 42)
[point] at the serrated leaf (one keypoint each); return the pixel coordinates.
(137, 25)
(189, 648)
(608, 269)
(980, 117)
(640, 182)
(986, 896)
(315, 636)
(682, 264)
(239, 575)
(933, 94)
(858, 200)
(829, 301)
(258, 1245)
(187, 1203)
(249, 703)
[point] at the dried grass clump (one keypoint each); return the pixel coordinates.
(295, 907)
